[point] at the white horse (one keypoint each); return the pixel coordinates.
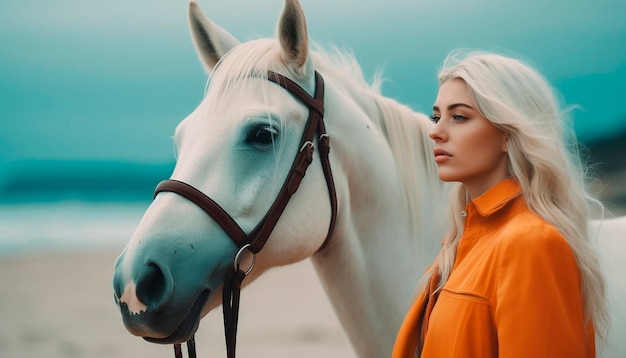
(237, 147)
(612, 250)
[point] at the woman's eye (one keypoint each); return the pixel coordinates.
(458, 117)
(262, 135)
(434, 118)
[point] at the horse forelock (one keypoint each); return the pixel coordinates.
(243, 63)
(254, 58)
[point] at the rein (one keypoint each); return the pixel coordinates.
(256, 239)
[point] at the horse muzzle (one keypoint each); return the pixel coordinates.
(164, 325)
(156, 305)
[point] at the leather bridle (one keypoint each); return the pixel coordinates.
(256, 239)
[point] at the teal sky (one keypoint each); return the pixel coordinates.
(109, 80)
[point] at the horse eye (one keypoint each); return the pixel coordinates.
(262, 135)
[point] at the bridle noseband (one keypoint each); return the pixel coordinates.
(256, 239)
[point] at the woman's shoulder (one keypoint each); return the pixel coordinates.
(531, 248)
(528, 232)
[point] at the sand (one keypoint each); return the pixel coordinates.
(60, 304)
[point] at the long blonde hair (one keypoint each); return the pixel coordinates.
(543, 156)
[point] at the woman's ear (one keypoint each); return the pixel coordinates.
(505, 143)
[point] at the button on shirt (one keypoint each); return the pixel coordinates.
(514, 290)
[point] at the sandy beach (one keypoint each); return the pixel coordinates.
(60, 304)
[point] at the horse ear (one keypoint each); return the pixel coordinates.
(211, 41)
(294, 41)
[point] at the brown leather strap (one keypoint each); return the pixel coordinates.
(230, 308)
(324, 147)
(315, 103)
(261, 233)
(191, 349)
(208, 205)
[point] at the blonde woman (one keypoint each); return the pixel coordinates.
(517, 274)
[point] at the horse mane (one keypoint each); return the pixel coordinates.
(405, 130)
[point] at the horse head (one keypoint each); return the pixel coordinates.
(237, 148)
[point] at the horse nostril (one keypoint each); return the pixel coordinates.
(153, 286)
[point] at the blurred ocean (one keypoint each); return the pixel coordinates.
(73, 205)
(67, 225)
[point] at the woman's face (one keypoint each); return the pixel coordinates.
(468, 148)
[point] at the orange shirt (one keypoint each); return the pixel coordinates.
(514, 290)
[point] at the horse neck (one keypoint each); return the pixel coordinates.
(379, 249)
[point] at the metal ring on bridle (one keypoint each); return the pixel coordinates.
(238, 256)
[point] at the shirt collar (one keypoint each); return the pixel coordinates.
(497, 196)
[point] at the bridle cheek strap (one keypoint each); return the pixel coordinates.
(255, 241)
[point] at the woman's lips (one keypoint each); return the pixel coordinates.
(441, 155)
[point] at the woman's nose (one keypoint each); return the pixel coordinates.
(437, 132)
